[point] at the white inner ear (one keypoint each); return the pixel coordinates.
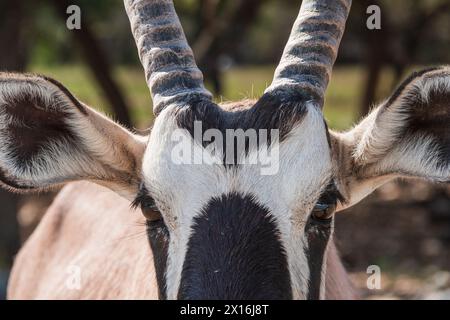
(416, 156)
(359, 189)
(379, 130)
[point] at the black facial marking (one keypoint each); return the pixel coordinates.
(318, 234)
(235, 253)
(269, 112)
(158, 237)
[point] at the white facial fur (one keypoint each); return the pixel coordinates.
(182, 190)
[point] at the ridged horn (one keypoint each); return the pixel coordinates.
(170, 69)
(308, 58)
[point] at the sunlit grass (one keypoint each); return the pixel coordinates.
(80, 81)
(342, 100)
(341, 106)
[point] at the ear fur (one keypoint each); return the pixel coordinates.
(48, 137)
(406, 136)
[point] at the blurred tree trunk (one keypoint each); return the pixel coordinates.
(13, 57)
(377, 42)
(380, 53)
(9, 227)
(99, 64)
(209, 26)
(224, 24)
(421, 22)
(374, 66)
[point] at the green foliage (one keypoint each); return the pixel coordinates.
(49, 38)
(262, 45)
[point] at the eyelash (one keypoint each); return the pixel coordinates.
(142, 202)
(331, 192)
(142, 199)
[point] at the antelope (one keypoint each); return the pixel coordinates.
(212, 230)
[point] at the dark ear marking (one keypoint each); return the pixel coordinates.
(32, 79)
(409, 135)
(48, 137)
(35, 114)
(423, 101)
(34, 126)
(10, 183)
(398, 92)
(432, 118)
(67, 93)
(426, 100)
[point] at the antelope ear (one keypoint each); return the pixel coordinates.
(407, 136)
(48, 137)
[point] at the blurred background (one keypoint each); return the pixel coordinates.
(404, 227)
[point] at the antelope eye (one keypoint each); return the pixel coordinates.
(324, 211)
(148, 206)
(327, 203)
(150, 210)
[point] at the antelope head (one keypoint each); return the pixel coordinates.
(222, 227)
